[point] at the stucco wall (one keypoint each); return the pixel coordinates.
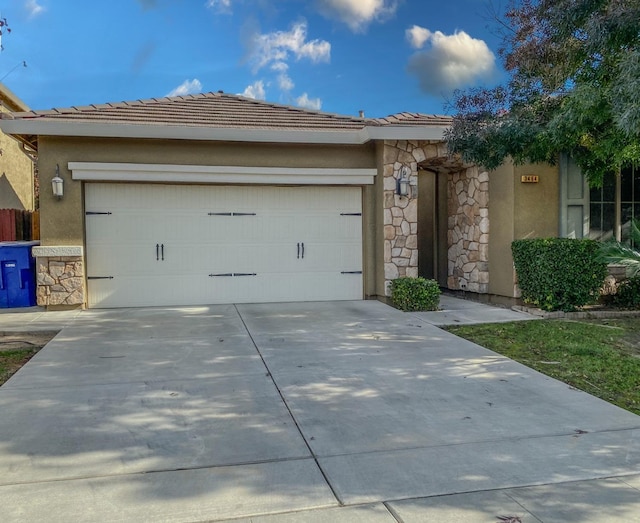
(62, 220)
(502, 218)
(537, 204)
(519, 210)
(16, 175)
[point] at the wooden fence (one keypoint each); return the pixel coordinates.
(19, 225)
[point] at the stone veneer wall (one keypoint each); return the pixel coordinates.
(468, 215)
(468, 230)
(400, 212)
(59, 276)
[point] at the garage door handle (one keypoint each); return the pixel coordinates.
(298, 251)
(162, 251)
(157, 252)
(303, 250)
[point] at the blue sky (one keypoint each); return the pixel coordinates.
(340, 56)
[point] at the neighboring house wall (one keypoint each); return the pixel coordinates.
(519, 210)
(16, 168)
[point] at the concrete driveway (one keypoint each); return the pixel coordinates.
(347, 411)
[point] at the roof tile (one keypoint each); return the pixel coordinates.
(221, 110)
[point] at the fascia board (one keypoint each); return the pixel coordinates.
(174, 132)
(407, 132)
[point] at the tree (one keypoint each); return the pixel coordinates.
(574, 87)
(4, 28)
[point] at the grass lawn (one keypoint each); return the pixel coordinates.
(601, 357)
(12, 360)
(16, 349)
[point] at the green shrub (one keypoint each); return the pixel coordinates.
(628, 295)
(415, 294)
(558, 273)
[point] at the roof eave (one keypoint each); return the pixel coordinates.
(31, 127)
(175, 132)
(11, 100)
(407, 132)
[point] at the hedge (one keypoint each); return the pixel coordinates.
(415, 294)
(628, 294)
(558, 273)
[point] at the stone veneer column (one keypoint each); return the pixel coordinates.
(468, 231)
(400, 212)
(59, 275)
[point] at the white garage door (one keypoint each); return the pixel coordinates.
(153, 244)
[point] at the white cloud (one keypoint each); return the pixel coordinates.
(280, 66)
(33, 8)
(280, 46)
(309, 103)
(187, 87)
(285, 82)
(223, 6)
(417, 36)
(450, 61)
(274, 52)
(255, 90)
(357, 14)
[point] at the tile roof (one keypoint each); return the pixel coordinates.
(211, 110)
(221, 110)
(414, 119)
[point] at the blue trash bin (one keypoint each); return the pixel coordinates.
(17, 275)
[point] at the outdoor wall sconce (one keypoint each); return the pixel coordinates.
(57, 184)
(402, 187)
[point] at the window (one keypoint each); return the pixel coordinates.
(603, 205)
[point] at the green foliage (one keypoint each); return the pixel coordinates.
(558, 273)
(415, 294)
(628, 295)
(624, 253)
(574, 68)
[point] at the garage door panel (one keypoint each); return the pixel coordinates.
(262, 233)
(324, 256)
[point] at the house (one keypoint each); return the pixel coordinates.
(17, 190)
(217, 198)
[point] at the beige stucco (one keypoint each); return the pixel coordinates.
(516, 210)
(16, 168)
(519, 210)
(62, 221)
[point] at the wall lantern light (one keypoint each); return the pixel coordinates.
(402, 188)
(57, 184)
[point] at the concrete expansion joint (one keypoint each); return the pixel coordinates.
(576, 433)
(286, 404)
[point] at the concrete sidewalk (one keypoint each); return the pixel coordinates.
(456, 311)
(30, 319)
(320, 412)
